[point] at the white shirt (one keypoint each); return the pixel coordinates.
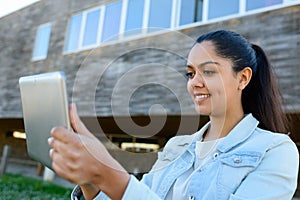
(204, 152)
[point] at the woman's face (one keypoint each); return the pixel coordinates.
(212, 83)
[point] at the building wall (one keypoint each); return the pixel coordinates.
(100, 69)
(135, 74)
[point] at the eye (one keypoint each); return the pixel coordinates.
(190, 75)
(208, 72)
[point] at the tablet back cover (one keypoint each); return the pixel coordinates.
(45, 105)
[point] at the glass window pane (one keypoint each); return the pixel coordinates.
(219, 8)
(74, 33)
(91, 28)
(199, 10)
(160, 14)
(134, 20)
(42, 42)
(255, 4)
(190, 11)
(112, 19)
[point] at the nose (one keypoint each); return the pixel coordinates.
(197, 81)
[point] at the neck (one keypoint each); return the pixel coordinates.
(220, 126)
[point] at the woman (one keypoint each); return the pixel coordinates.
(237, 155)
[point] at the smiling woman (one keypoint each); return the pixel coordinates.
(212, 83)
(234, 156)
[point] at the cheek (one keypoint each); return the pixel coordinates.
(218, 93)
(189, 88)
(226, 92)
(217, 85)
(214, 87)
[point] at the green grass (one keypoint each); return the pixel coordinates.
(20, 187)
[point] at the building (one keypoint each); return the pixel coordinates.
(124, 63)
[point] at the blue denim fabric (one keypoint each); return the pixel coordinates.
(250, 163)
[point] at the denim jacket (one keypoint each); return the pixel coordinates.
(249, 163)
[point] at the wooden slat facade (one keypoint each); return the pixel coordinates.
(153, 66)
(277, 31)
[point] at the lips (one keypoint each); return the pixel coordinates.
(201, 97)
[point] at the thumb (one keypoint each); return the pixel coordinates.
(76, 122)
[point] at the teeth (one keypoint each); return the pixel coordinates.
(202, 96)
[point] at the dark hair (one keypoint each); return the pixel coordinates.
(261, 97)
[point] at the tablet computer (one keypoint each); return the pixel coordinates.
(45, 105)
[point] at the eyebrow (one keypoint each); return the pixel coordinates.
(204, 63)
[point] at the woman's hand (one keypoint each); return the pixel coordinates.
(82, 159)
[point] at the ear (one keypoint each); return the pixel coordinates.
(244, 77)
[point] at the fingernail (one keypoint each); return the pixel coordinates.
(51, 152)
(50, 140)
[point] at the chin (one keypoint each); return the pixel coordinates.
(202, 111)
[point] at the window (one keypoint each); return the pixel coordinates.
(190, 11)
(134, 18)
(41, 42)
(255, 4)
(83, 30)
(112, 21)
(160, 14)
(74, 33)
(219, 8)
(91, 28)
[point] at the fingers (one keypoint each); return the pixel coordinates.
(64, 153)
(59, 165)
(76, 122)
(62, 140)
(61, 134)
(80, 158)
(57, 146)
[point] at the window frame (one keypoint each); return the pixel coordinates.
(178, 13)
(124, 18)
(67, 35)
(174, 22)
(103, 22)
(171, 23)
(84, 13)
(263, 7)
(34, 57)
(83, 27)
(225, 15)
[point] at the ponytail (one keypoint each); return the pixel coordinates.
(262, 97)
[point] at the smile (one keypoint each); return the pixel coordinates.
(201, 96)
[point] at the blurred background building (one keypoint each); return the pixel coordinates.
(124, 61)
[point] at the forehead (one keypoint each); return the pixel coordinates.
(202, 52)
(205, 52)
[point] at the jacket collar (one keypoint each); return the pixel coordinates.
(185, 140)
(198, 135)
(239, 133)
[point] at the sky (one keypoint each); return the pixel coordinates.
(9, 6)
